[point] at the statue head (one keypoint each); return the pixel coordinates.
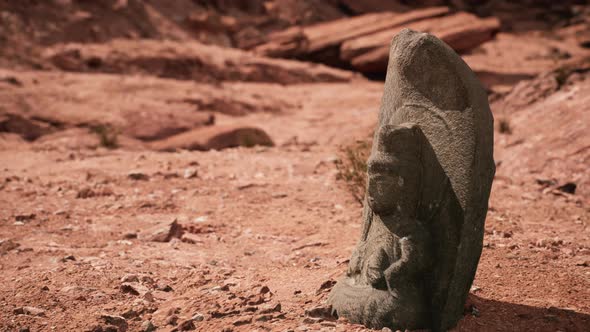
(395, 171)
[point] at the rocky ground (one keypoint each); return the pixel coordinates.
(152, 178)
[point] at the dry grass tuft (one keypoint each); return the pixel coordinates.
(352, 167)
(108, 136)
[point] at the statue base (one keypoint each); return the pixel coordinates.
(375, 308)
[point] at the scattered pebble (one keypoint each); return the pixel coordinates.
(187, 325)
(68, 258)
(172, 320)
(136, 175)
(133, 288)
(147, 326)
(165, 234)
(31, 311)
(198, 317)
(25, 217)
(200, 219)
(115, 320)
(475, 289)
(242, 321)
(130, 314)
(270, 308)
(190, 173)
(129, 236)
(130, 278)
(568, 187)
(7, 245)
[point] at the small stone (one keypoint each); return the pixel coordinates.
(187, 325)
(147, 280)
(267, 317)
(96, 328)
(25, 217)
(129, 289)
(147, 326)
(164, 288)
(86, 192)
(172, 320)
(242, 321)
(198, 317)
(118, 321)
(7, 245)
(270, 308)
(200, 219)
(134, 288)
(190, 173)
(264, 290)
(129, 236)
(135, 175)
(24, 329)
(174, 230)
(68, 258)
(130, 278)
(130, 314)
(148, 296)
(33, 311)
(569, 188)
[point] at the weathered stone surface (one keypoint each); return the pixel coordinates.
(461, 31)
(362, 41)
(429, 179)
(298, 41)
(216, 137)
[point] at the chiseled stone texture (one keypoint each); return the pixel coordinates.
(429, 178)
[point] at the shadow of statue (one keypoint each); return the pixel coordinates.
(493, 315)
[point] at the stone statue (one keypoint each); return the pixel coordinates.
(429, 179)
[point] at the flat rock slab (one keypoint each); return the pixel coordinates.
(217, 137)
(189, 61)
(141, 108)
(362, 42)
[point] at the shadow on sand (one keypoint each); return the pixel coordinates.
(503, 316)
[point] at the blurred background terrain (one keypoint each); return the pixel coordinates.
(197, 164)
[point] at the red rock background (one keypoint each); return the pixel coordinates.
(172, 165)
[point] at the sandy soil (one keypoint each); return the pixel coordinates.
(252, 239)
(254, 219)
